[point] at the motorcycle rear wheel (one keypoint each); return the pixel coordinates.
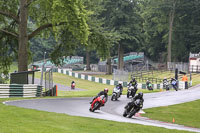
(112, 97)
(127, 95)
(132, 113)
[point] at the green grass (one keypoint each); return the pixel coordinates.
(20, 120)
(13, 67)
(185, 114)
(92, 88)
(195, 79)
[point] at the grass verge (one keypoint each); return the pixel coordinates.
(159, 75)
(20, 120)
(92, 88)
(185, 114)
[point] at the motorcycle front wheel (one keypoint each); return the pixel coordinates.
(112, 97)
(125, 114)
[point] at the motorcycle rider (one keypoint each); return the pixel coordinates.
(138, 96)
(104, 92)
(165, 82)
(119, 86)
(72, 84)
(133, 82)
(174, 86)
(148, 82)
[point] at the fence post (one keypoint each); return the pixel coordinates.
(192, 68)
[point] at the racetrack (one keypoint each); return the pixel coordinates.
(113, 109)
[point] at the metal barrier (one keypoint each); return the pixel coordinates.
(48, 80)
(194, 68)
(52, 92)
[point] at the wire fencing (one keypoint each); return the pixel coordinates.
(48, 80)
(120, 75)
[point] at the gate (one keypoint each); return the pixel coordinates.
(49, 82)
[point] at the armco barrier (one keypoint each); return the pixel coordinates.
(102, 80)
(20, 90)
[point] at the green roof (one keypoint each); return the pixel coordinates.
(130, 57)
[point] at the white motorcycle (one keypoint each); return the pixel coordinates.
(166, 85)
(116, 94)
(131, 91)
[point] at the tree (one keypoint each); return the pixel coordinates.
(171, 22)
(164, 17)
(158, 26)
(48, 15)
(123, 17)
(100, 38)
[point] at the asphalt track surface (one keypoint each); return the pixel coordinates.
(113, 109)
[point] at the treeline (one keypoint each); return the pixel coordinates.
(143, 25)
(165, 30)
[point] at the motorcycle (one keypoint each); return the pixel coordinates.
(174, 84)
(149, 86)
(73, 86)
(132, 108)
(131, 91)
(166, 85)
(116, 94)
(97, 103)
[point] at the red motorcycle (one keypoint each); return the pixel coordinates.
(97, 103)
(73, 86)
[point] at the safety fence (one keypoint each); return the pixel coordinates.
(111, 82)
(48, 80)
(194, 68)
(144, 79)
(120, 75)
(20, 90)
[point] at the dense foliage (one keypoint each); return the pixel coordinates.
(102, 26)
(24, 19)
(185, 28)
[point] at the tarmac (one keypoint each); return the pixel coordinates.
(113, 110)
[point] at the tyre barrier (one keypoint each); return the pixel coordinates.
(20, 90)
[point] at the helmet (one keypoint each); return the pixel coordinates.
(133, 79)
(120, 83)
(140, 94)
(106, 90)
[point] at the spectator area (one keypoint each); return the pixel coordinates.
(130, 58)
(66, 61)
